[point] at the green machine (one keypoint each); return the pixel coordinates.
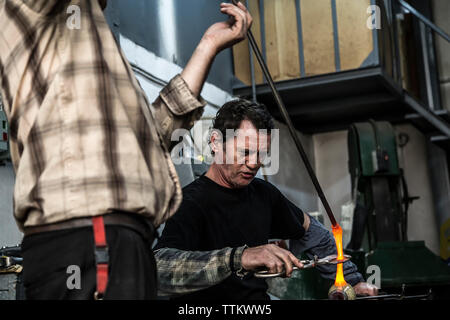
(379, 241)
(378, 186)
(379, 237)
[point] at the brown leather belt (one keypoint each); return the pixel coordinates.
(133, 221)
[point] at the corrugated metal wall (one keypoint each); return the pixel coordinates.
(171, 29)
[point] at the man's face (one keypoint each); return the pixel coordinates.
(240, 159)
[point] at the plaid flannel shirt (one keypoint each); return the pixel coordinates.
(181, 272)
(80, 143)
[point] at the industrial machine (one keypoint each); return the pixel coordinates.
(379, 240)
(379, 234)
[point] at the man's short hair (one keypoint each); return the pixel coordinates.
(232, 113)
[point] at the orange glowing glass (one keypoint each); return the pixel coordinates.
(337, 233)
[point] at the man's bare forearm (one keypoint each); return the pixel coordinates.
(197, 69)
(218, 37)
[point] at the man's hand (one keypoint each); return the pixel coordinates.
(365, 289)
(225, 34)
(270, 256)
(219, 36)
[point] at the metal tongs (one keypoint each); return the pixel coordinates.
(332, 259)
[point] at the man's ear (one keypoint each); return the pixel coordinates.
(215, 141)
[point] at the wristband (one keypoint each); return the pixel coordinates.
(233, 251)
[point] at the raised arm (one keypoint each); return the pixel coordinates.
(218, 37)
(179, 104)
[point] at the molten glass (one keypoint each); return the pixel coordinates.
(337, 233)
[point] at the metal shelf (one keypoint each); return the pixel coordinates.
(333, 101)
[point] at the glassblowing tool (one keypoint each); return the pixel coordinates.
(332, 259)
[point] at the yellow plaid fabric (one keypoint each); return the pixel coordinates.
(80, 143)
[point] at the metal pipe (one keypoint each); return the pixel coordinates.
(424, 19)
(427, 114)
(397, 64)
(337, 53)
(395, 297)
(290, 125)
(426, 65)
(301, 54)
(252, 67)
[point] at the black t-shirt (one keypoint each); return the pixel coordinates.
(213, 217)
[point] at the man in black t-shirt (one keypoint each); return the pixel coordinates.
(221, 231)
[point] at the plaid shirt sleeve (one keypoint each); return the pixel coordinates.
(176, 108)
(182, 272)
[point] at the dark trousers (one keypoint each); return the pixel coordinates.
(51, 262)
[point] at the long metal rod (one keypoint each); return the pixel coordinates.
(301, 54)
(425, 20)
(288, 121)
(252, 71)
(337, 53)
(252, 67)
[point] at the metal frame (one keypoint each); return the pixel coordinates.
(426, 62)
(320, 79)
(393, 83)
(337, 52)
(301, 53)
(262, 29)
(426, 66)
(425, 20)
(396, 56)
(427, 114)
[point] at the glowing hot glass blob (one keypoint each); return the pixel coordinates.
(337, 233)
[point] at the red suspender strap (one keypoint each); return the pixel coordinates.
(101, 256)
